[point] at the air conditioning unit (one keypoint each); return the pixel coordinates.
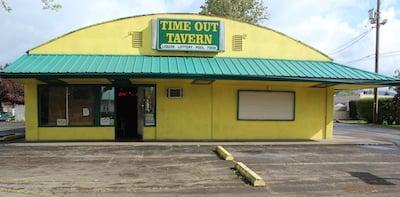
(174, 92)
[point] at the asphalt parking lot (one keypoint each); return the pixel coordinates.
(196, 170)
(371, 132)
(11, 128)
(111, 170)
(161, 169)
(325, 170)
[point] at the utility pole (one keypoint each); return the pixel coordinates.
(378, 24)
(376, 100)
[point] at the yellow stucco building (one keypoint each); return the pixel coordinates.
(181, 77)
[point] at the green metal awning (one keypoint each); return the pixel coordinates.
(109, 66)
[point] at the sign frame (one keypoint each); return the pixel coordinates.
(156, 42)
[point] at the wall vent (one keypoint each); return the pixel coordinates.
(237, 42)
(175, 92)
(137, 39)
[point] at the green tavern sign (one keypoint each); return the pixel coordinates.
(188, 35)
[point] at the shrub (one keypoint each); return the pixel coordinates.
(388, 110)
(396, 103)
(364, 109)
(353, 110)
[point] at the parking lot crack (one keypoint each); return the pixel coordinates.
(109, 162)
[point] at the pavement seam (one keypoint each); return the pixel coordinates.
(109, 162)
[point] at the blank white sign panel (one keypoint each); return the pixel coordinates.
(266, 105)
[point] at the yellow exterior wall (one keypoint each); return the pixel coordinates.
(113, 38)
(35, 133)
(309, 120)
(329, 113)
(31, 110)
(76, 133)
(188, 118)
(206, 112)
(209, 112)
(85, 81)
(149, 133)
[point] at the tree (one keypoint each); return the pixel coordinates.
(47, 5)
(250, 11)
(12, 92)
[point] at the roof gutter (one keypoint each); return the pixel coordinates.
(200, 76)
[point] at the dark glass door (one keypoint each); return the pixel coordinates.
(127, 113)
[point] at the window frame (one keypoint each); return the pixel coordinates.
(39, 105)
(288, 120)
(139, 85)
(96, 121)
(97, 114)
(98, 106)
(155, 105)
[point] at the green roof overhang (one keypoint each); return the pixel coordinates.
(122, 66)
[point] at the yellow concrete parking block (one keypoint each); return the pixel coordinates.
(223, 153)
(250, 175)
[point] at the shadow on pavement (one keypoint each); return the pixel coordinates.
(371, 179)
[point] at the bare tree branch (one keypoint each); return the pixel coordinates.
(47, 5)
(51, 5)
(250, 11)
(5, 6)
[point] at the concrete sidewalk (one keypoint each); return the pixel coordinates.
(344, 134)
(372, 132)
(337, 140)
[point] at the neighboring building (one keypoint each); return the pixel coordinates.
(181, 77)
(6, 107)
(19, 113)
(16, 110)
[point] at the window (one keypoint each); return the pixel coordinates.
(149, 106)
(89, 105)
(52, 105)
(81, 105)
(65, 106)
(266, 105)
(107, 111)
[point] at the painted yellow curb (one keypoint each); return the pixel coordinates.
(250, 175)
(224, 153)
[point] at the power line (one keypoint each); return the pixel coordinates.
(383, 55)
(350, 42)
(360, 59)
(371, 56)
(391, 52)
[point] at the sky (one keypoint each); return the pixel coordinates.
(326, 25)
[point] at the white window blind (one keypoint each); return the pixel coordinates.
(265, 105)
